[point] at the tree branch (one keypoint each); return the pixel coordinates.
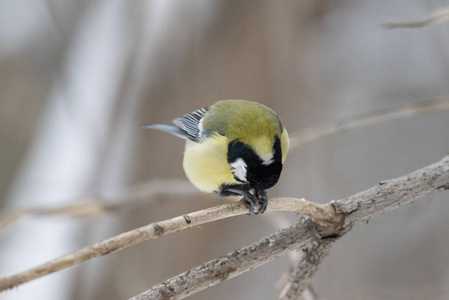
(234, 263)
(359, 208)
(305, 234)
(322, 214)
(312, 134)
(301, 276)
(333, 220)
(439, 16)
(309, 294)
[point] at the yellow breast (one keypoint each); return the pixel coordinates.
(206, 164)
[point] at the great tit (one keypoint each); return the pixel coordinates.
(234, 147)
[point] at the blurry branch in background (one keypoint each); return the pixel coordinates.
(439, 16)
(312, 134)
(95, 206)
(321, 214)
(143, 193)
(313, 239)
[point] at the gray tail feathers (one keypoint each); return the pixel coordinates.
(168, 128)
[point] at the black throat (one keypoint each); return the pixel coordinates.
(259, 175)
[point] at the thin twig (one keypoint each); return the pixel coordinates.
(322, 214)
(439, 16)
(409, 110)
(382, 198)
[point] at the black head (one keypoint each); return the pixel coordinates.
(248, 167)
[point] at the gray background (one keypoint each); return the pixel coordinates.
(78, 78)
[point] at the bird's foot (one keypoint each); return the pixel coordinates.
(250, 202)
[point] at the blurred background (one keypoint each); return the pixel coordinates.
(79, 78)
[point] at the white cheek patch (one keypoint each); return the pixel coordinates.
(268, 159)
(239, 169)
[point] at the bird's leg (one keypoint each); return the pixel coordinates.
(262, 199)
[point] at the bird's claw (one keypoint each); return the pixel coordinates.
(250, 200)
(263, 201)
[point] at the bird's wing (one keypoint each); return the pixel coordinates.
(190, 124)
(168, 128)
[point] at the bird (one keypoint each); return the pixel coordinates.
(233, 148)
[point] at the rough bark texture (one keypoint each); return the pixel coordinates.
(326, 224)
(384, 197)
(390, 194)
(301, 277)
(235, 263)
(361, 207)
